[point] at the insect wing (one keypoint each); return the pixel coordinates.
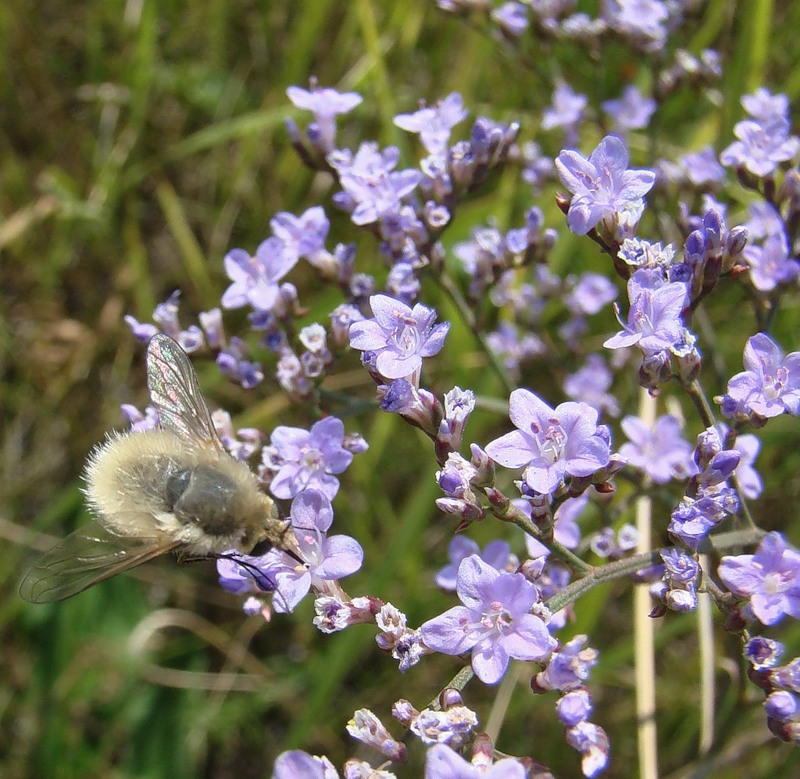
(84, 558)
(175, 392)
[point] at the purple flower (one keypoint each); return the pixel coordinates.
(702, 167)
(771, 264)
(325, 559)
(762, 652)
(642, 20)
(372, 189)
(513, 347)
(550, 443)
(368, 729)
(761, 147)
(307, 459)
(569, 667)
(765, 220)
(325, 104)
(451, 726)
(435, 123)
(654, 319)
(749, 481)
(601, 185)
(770, 578)
(591, 294)
(290, 765)
(443, 763)
(512, 18)
(496, 554)
(139, 421)
(566, 111)
(495, 621)
(660, 451)
(632, 111)
(304, 235)
(763, 105)
(592, 742)
(255, 278)
(231, 361)
(770, 383)
(590, 384)
(399, 336)
(565, 525)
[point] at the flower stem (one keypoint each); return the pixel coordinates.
(722, 542)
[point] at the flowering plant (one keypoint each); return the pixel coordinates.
(587, 483)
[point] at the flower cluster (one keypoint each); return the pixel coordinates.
(555, 481)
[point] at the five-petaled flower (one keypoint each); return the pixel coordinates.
(770, 383)
(550, 443)
(770, 578)
(301, 459)
(601, 185)
(495, 621)
(399, 336)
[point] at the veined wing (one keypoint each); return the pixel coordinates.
(84, 558)
(175, 392)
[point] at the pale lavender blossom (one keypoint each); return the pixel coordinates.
(654, 319)
(632, 111)
(644, 21)
(451, 726)
(749, 481)
(255, 277)
(372, 189)
(565, 525)
(770, 264)
(139, 421)
(761, 147)
(512, 18)
(325, 559)
(368, 729)
(398, 336)
(566, 110)
(550, 443)
(296, 763)
(702, 167)
(762, 652)
(590, 384)
(770, 578)
(770, 383)
(326, 104)
(514, 348)
(569, 667)
(442, 762)
(302, 236)
(434, 123)
(232, 363)
(307, 459)
(764, 106)
(497, 554)
(765, 220)
(494, 621)
(592, 742)
(591, 294)
(660, 451)
(602, 186)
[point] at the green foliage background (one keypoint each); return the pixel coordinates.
(139, 142)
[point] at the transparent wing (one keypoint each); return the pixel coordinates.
(84, 558)
(176, 394)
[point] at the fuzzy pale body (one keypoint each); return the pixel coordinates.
(173, 489)
(151, 485)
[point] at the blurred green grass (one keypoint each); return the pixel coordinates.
(140, 141)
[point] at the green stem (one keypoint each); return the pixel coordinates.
(722, 542)
(451, 289)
